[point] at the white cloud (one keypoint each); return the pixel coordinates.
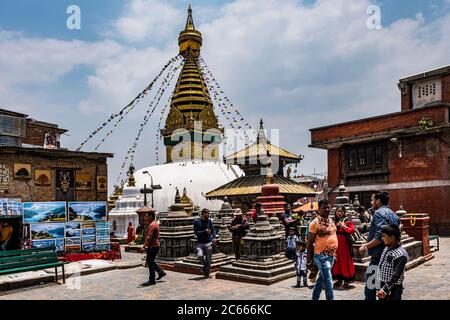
(148, 20)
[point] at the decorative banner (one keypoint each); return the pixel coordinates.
(87, 211)
(34, 212)
(11, 207)
(102, 185)
(22, 171)
(132, 103)
(4, 178)
(164, 85)
(42, 178)
(47, 231)
(83, 181)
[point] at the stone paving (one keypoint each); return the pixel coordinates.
(428, 281)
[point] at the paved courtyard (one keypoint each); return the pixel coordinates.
(428, 281)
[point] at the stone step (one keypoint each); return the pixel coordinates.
(271, 271)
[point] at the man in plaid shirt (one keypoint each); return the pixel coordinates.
(391, 270)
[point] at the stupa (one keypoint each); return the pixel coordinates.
(190, 164)
(176, 231)
(225, 214)
(263, 261)
(125, 208)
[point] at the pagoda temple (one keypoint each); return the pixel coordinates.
(254, 161)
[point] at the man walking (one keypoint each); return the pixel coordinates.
(322, 245)
(206, 236)
(239, 227)
(151, 244)
(383, 216)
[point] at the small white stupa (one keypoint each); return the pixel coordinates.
(125, 210)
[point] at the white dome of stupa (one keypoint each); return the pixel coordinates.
(197, 176)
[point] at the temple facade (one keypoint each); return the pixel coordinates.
(405, 153)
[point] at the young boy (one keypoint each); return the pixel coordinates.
(291, 244)
(391, 269)
(300, 264)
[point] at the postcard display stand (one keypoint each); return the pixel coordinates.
(75, 227)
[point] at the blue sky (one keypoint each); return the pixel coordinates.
(296, 64)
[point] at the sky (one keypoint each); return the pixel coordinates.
(295, 64)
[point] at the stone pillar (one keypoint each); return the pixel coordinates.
(416, 225)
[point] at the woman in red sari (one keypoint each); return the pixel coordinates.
(343, 270)
(131, 234)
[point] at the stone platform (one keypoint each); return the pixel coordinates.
(192, 265)
(264, 271)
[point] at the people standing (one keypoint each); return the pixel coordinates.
(311, 219)
(286, 218)
(344, 269)
(6, 232)
(391, 270)
(151, 245)
(131, 234)
(239, 227)
(300, 264)
(383, 215)
(291, 244)
(206, 236)
(321, 250)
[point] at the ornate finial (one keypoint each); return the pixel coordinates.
(177, 196)
(261, 124)
(400, 212)
(184, 191)
(190, 20)
(131, 181)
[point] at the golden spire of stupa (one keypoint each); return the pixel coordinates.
(191, 101)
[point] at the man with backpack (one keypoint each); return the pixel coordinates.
(383, 216)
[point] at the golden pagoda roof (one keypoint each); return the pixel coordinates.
(191, 100)
(251, 185)
(262, 148)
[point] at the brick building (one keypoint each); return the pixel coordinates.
(34, 167)
(406, 153)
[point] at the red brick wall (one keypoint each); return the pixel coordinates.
(36, 133)
(423, 158)
(446, 88)
(21, 189)
(406, 100)
(333, 167)
(400, 120)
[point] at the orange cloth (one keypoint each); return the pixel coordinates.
(326, 240)
(131, 234)
(5, 233)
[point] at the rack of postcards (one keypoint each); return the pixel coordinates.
(68, 226)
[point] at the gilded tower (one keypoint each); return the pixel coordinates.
(191, 130)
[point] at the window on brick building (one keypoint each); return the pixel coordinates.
(366, 163)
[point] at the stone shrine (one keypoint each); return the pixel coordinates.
(176, 230)
(263, 261)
